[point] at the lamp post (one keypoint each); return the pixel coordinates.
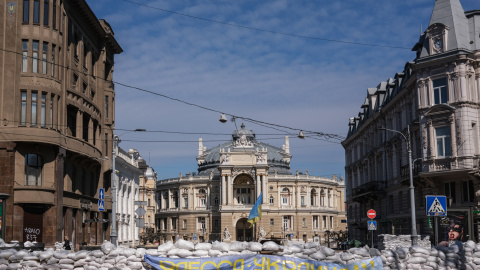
(116, 140)
(412, 188)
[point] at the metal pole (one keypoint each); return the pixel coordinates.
(372, 238)
(412, 189)
(113, 234)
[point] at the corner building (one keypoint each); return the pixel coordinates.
(437, 98)
(230, 178)
(57, 111)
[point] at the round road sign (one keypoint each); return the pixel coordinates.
(371, 214)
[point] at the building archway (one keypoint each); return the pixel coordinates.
(243, 233)
(243, 190)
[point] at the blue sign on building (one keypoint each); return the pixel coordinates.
(101, 194)
(436, 206)
(101, 205)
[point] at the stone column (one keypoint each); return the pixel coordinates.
(453, 136)
(432, 140)
(257, 186)
(230, 190)
(264, 188)
(224, 189)
(169, 199)
(208, 198)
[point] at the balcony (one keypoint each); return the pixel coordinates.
(405, 170)
(368, 190)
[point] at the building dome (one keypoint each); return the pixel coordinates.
(243, 139)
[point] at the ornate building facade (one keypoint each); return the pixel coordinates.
(57, 116)
(215, 203)
(437, 98)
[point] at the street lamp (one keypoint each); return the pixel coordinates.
(116, 140)
(412, 188)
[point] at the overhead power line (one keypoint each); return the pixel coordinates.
(233, 116)
(265, 30)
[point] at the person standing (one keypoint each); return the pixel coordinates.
(66, 244)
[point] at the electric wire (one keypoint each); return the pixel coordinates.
(265, 124)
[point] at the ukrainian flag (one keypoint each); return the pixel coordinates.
(256, 212)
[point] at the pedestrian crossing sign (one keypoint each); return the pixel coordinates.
(372, 225)
(436, 206)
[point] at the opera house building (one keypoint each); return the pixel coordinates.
(214, 203)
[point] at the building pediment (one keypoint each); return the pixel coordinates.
(440, 109)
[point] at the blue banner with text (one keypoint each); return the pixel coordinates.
(257, 262)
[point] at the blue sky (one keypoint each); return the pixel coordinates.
(305, 83)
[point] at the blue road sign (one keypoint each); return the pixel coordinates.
(372, 225)
(101, 205)
(195, 238)
(436, 206)
(101, 194)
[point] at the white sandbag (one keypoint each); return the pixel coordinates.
(52, 260)
(417, 260)
(214, 253)
(80, 263)
(171, 252)
(391, 259)
(402, 253)
(302, 256)
(183, 253)
(231, 252)
(97, 253)
(66, 261)
(30, 257)
(328, 251)
(238, 246)
(140, 252)
(119, 259)
(308, 251)
(318, 256)
(374, 252)
(134, 258)
(345, 256)
(247, 252)
(200, 253)
(3, 261)
(107, 246)
(419, 249)
(270, 246)
(151, 252)
(14, 266)
(5, 254)
(183, 244)
(417, 254)
(312, 245)
(65, 266)
(165, 247)
(360, 251)
(222, 246)
(107, 265)
(255, 246)
(295, 248)
(29, 264)
(90, 267)
(203, 246)
(135, 265)
(432, 259)
(81, 255)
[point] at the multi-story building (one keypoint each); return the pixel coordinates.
(57, 111)
(215, 203)
(148, 195)
(128, 189)
(437, 98)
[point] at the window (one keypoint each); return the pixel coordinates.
(271, 200)
(184, 226)
(106, 106)
(302, 200)
(35, 57)
(444, 148)
(36, 11)
(25, 56)
(201, 223)
(468, 191)
(272, 222)
(315, 222)
(440, 92)
(43, 115)
(331, 222)
(34, 109)
(26, 10)
(304, 222)
(84, 88)
(217, 200)
(450, 191)
(287, 222)
(44, 57)
(23, 111)
(215, 223)
(45, 12)
(174, 224)
(54, 14)
(33, 170)
(52, 64)
(75, 80)
(149, 202)
(202, 202)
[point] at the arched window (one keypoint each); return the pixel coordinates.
(217, 201)
(33, 170)
(202, 191)
(271, 200)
